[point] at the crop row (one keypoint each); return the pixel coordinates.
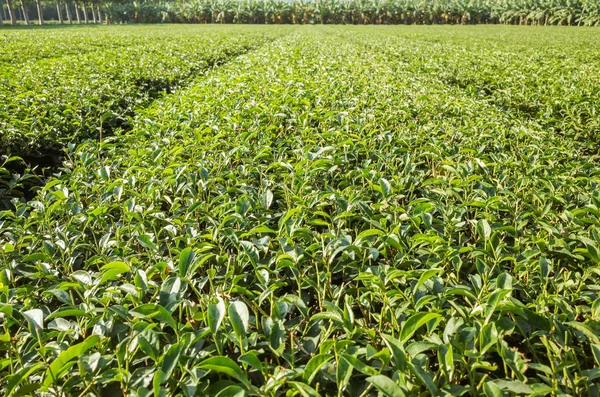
(339, 212)
(534, 81)
(85, 85)
(25, 46)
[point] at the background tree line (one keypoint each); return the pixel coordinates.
(519, 12)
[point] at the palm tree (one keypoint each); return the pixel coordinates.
(99, 13)
(68, 10)
(524, 12)
(85, 13)
(11, 12)
(24, 11)
(77, 14)
(40, 11)
(59, 12)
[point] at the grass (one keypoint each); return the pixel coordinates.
(334, 211)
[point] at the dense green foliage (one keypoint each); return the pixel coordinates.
(64, 85)
(341, 211)
(525, 12)
(521, 12)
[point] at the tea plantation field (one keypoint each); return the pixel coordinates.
(315, 210)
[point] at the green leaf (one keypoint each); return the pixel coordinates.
(27, 390)
(8, 248)
(296, 301)
(591, 374)
(170, 359)
(596, 353)
(492, 390)
(11, 159)
(343, 372)
(22, 375)
(513, 386)
(488, 337)
(504, 281)
(111, 270)
(584, 329)
(216, 313)
(169, 294)
(314, 365)
(369, 233)
(239, 317)
(423, 377)
(232, 391)
(186, 257)
(386, 386)
(35, 318)
(276, 338)
(596, 309)
(266, 199)
(145, 242)
(414, 323)
(150, 310)
(484, 231)
(65, 359)
(147, 348)
(226, 366)
(251, 358)
(359, 365)
(427, 274)
(446, 359)
(386, 187)
(493, 300)
(398, 353)
(6, 309)
(67, 313)
(303, 389)
(258, 230)
(159, 378)
(251, 251)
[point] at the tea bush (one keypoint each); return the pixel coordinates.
(340, 211)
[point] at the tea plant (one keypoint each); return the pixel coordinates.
(340, 211)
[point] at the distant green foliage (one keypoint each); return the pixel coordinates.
(351, 211)
(521, 12)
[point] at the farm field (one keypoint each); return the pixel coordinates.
(300, 210)
(63, 85)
